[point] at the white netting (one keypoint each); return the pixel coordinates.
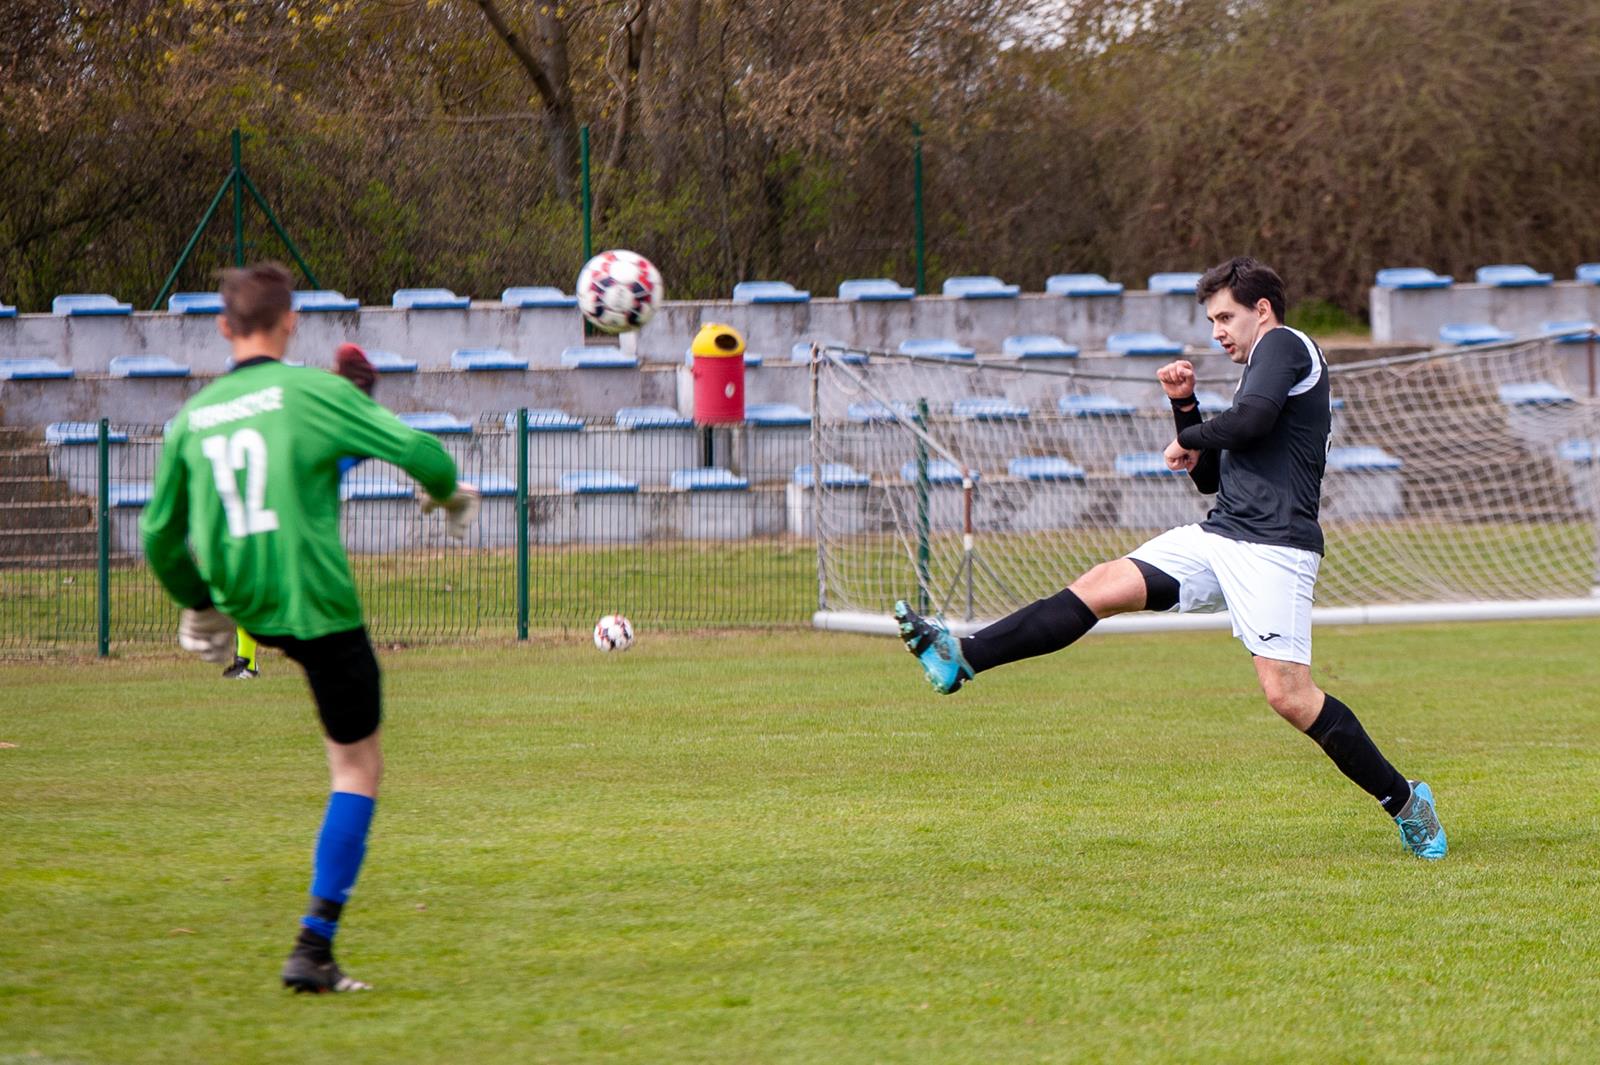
(1455, 476)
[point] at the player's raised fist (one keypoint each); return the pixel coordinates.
(1177, 379)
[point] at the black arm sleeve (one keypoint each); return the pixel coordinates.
(1239, 427)
(1207, 472)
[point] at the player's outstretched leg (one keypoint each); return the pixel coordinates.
(1419, 824)
(937, 650)
(311, 967)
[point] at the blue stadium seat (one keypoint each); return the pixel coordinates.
(1534, 394)
(1093, 406)
(1081, 285)
(652, 418)
(129, 495)
(389, 362)
(1512, 275)
(146, 366)
(371, 486)
(430, 299)
(834, 475)
(1579, 452)
(801, 352)
(989, 409)
(1361, 457)
(84, 305)
(598, 358)
(194, 303)
(7, 311)
(1209, 402)
(537, 296)
(1589, 273)
(1465, 334)
(596, 483)
(437, 422)
(940, 471)
(874, 289)
(475, 360)
(81, 433)
(316, 300)
(936, 348)
(546, 420)
(873, 411)
(1145, 464)
(707, 479)
(32, 370)
(1038, 346)
(1044, 468)
(1176, 283)
(980, 287)
(495, 485)
(1142, 344)
(769, 292)
(1412, 277)
(1573, 332)
(775, 415)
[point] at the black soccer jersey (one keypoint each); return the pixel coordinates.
(1270, 489)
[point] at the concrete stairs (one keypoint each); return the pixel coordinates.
(42, 524)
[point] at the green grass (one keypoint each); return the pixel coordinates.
(785, 848)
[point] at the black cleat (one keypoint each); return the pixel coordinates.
(302, 972)
(240, 670)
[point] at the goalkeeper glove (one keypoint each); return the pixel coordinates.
(208, 633)
(460, 510)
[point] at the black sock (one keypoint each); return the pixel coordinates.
(1042, 626)
(314, 946)
(1340, 735)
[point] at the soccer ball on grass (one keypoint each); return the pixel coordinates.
(613, 633)
(618, 291)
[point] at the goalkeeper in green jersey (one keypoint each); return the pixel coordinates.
(243, 527)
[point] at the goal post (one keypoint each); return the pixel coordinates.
(1462, 483)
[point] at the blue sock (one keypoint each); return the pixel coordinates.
(340, 848)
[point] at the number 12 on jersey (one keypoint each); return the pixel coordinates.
(243, 450)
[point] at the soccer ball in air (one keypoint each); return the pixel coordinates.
(618, 291)
(613, 633)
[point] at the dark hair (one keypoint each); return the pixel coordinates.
(255, 298)
(1248, 280)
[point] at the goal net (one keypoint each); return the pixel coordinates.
(1459, 482)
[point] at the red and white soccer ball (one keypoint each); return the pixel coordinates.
(613, 633)
(618, 291)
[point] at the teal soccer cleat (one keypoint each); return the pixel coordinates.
(1419, 824)
(937, 650)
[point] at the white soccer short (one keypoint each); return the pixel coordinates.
(1267, 589)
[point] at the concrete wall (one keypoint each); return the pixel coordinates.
(1413, 316)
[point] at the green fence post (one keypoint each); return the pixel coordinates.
(923, 551)
(522, 523)
(102, 521)
(916, 207)
(588, 203)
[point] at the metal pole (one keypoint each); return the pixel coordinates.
(238, 199)
(921, 233)
(522, 523)
(816, 478)
(102, 523)
(924, 552)
(583, 159)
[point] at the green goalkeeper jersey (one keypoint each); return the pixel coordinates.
(249, 476)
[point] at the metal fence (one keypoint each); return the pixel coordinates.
(673, 525)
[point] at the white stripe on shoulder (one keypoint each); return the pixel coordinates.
(1309, 381)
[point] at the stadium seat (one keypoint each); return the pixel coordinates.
(1183, 284)
(775, 415)
(194, 303)
(496, 485)
(652, 418)
(1589, 273)
(980, 287)
(936, 348)
(595, 483)
(1145, 464)
(1081, 285)
(583, 357)
(546, 420)
(1573, 332)
(1534, 394)
(1209, 402)
(940, 471)
(1581, 452)
(430, 299)
(7, 311)
(389, 362)
(146, 366)
(1142, 344)
(1361, 457)
(874, 290)
(1093, 406)
(707, 479)
(437, 422)
(1466, 334)
(375, 486)
(32, 370)
(989, 409)
(129, 495)
(537, 296)
(1363, 483)
(317, 300)
(1038, 346)
(78, 306)
(1512, 275)
(1044, 468)
(834, 475)
(1412, 277)
(58, 433)
(873, 411)
(801, 352)
(475, 360)
(769, 292)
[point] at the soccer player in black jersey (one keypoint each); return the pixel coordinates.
(1256, 555)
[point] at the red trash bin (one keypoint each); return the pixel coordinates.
(718, 369)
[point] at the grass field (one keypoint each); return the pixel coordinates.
(785, 848)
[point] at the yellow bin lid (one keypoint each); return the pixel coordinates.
(717, 341)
